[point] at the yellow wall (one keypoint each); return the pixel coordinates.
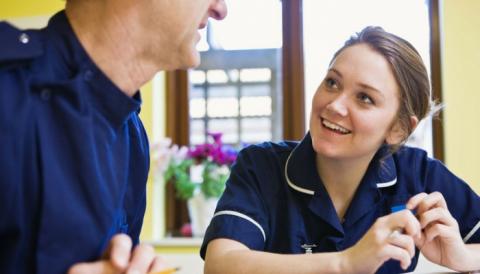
(461, 74)
(146, 116)
(13, 9)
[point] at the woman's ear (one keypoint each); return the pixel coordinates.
(397, 133)
(413, 122)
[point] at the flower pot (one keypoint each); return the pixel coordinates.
(201, 210)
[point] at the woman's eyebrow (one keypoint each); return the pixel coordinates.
(362, 85)
(336, 72)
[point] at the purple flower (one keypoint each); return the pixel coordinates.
(216, 152)
(217, 137)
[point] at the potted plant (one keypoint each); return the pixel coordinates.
(199, 174)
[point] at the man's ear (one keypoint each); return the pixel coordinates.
(397, 133)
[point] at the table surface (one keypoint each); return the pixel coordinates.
(424, 266)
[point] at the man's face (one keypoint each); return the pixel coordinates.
(175, 25)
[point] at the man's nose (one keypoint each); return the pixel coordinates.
(218, 9)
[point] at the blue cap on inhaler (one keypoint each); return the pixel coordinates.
(397, 208)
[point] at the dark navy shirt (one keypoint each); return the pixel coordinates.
(275, 200)
(73, 153)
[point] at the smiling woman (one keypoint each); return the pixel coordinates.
(365, 116)
(333, 195)
(354, 15)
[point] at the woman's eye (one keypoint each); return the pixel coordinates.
(364, 98)
(331, 83)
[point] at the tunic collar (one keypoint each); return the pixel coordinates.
(302, 177)
(301, 174)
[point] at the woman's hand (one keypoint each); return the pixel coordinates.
(119, 258)
(390, 237)
(441, 241)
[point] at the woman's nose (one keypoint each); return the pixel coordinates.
(338, 106)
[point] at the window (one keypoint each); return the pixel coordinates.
(236, 89)
(239, 97)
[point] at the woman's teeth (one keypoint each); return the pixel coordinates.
(335, 127)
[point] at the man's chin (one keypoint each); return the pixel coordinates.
(185, 60)
(191, 60)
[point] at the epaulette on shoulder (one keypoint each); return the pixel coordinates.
(18, 44)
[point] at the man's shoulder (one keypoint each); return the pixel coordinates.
(18, 45)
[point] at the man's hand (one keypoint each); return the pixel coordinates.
(119, 258)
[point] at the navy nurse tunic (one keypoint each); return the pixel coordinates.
(73, 153)
(275, 200)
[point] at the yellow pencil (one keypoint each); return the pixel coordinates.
(167, 271)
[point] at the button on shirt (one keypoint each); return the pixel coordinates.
(275, 200)
(73, 153)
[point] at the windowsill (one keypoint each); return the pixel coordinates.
(177, 242)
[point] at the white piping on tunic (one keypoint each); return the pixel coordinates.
(297, 188)
(470, 234)
(387, 184)
(243, 216)
(311, 192)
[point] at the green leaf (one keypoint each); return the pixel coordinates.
(213, 184)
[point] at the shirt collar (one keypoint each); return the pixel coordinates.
(18, 44)
(76, 65)
(301, 173)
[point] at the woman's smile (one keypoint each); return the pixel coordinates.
(334, 127)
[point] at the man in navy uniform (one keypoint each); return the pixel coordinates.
(74, 154)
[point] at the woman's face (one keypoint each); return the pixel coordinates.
(354, 109)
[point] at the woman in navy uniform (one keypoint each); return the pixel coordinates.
(74, 154)
(338, 194)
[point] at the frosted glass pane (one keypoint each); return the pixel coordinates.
(229, 128)
(255, 130)
(197, 108)
(256, 90)
(256, 75)
(222, 107)
(222, 91)
(197, 76)
(250, 24)
(217, 76)
(197, 132)
(252, 106)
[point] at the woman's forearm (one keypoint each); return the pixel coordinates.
(474, 257)
(252, 262)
